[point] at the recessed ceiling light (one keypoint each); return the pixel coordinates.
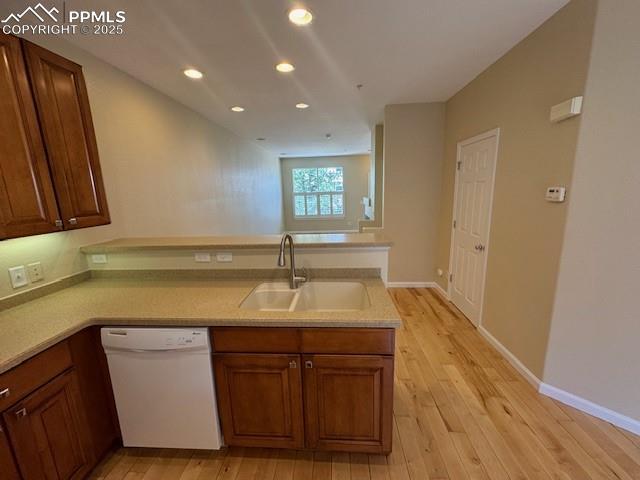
(302, 106)
(285, 67)
(300, 16)
(193, 73)
(237, 109)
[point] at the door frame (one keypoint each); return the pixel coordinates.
(463, 143)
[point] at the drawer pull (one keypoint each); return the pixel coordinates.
(21, 413)
(308, 364)
(5, 393)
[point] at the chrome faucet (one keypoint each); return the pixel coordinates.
(294, 280)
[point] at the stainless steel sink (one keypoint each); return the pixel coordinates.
(312, 296)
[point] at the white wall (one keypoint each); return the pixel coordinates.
(167, 171)
(593, 348)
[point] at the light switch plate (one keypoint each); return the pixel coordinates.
(99, 258)
(35, 272)
(224, 257)
(202, 257)
(18, 276)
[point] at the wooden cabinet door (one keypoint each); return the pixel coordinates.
(27, 202)
(65, 118)
(47, 432)
(90, 365)
(8, 467)
(348, 402)
(260, 400)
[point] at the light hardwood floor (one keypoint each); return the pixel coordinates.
(461, 412)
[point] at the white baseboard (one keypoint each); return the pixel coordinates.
(410, 284)
(562, 396)
(443, 293)
(511, 358)
(591, 408)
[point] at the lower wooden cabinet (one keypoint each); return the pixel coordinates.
(90, 365)
(260, 400)
(322, 389)
(348, 402)
(8, 466)
(48, 432)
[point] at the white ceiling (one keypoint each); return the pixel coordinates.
(400, 50)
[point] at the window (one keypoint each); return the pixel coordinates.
(318, 192)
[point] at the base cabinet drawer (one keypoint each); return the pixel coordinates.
(260, 400)
(26, 377)
(348, 402)
(47, 431)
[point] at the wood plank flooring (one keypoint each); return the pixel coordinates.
(461, 412)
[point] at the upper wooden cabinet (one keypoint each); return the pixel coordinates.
(27, 201)
(50, 176)
(65, 118)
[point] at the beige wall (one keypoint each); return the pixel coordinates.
(167, 171)
(516, 94)
(356, 185)
(593, 347)
(376, 170)
(413, 143)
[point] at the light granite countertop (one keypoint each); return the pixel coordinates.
(32, 327)
(250, 242)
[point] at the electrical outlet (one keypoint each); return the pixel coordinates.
(18, 276)
(35, 272)
(202, 257)
(224, 257)
(99, 258)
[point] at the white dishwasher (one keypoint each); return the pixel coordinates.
(163, 386)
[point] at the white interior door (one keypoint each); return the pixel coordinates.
(472, 216)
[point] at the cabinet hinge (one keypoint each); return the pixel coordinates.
(454, 224)
(451, 277)
(459, 165)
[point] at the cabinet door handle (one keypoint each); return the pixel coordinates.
(21, 413)
(308, 364)
(73, 221)
(59, 223)
(5, 393)
(293, 364)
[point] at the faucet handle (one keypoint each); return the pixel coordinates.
(299, 279)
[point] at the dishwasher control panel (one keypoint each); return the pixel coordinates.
(182, 339)
(138, 338)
